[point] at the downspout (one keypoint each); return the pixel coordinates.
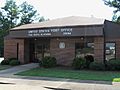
(104, 37)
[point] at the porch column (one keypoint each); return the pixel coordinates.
(21, 51)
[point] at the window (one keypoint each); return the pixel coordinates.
(110, 51)
(46, 49)
(42, 50)
(82, 49)
(78, 49)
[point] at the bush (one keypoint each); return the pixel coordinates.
(97, 66)
(78, 63)
(113, 64)
(40, 63)
(14, 63)
(10, 59)
(5, 62)
(88, 59)
(48, 62)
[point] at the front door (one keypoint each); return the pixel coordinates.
(39, 51)
(39, 48)
(42, 49)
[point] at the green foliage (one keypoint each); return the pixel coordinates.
(115, 4)
(48, 62)
(14, 62)
(42, 19)
(40, 63)
(10, 59)
(12, 15)
(5, 62)
(88, 60)
(116, 80)
(8, 15)
(97, 66)
(113, 64)
(28, 14)
(78, 63)
(73, 74)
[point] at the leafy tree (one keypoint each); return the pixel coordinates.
(8, 19)
(115, 4)
(42, 19)
(28, 14)
(12, 15)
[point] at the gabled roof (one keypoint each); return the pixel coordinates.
(63, 22)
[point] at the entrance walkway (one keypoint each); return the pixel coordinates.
(11, 71)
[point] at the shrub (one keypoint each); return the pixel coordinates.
(40, 63)
(97, 66)
(10, 59)
(113, 64)
(88, 60)
(48, 62)
(14, 63)
(78, 63)
(5, 62)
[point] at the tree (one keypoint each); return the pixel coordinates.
(115, 4)
(9, 15)
(12, 15)
(28, 14)
(8, 19)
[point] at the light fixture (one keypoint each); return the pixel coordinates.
(81, 38)
(57, 38)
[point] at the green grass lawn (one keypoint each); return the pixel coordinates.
(73, 74)
(2, 67)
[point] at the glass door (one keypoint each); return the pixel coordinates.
(39, 51)
(42, 50)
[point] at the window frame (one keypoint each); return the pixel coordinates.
(85, 45)
(105, 48)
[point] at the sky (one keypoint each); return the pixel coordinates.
(52, 9)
